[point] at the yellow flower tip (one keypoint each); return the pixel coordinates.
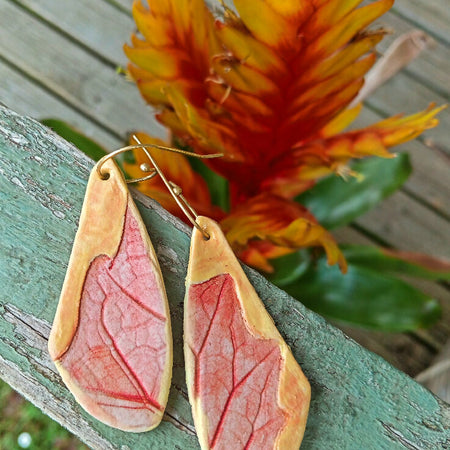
(432, 111)
(126, 73)
(342, 263)
(345, 172)
(256, 259)
(383, 30)
(126, 49)
(334, 254)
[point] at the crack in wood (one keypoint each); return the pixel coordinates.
(396, 436)
(181, 391)
(39, 326)
(28, 327)
(170, 416)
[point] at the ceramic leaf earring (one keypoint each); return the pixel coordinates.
(245, 387)
(111, 337)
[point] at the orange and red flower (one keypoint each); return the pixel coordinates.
(268, 87)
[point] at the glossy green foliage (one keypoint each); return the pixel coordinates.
(394, 262)
(335, 202)
(363, 297)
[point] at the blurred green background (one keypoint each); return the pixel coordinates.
(18, 416)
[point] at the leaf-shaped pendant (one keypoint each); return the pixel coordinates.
(245, 387)
(111, 337)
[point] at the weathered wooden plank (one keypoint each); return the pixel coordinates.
(98, 25)
(68, 71)
(405, 224)
(409, 352)
(404, 94)
(400, 350)
(431, 67)
(31, 99)
(430, 171)
(122, 5)
(359, 401)
(430, 179)
(104, 28)
(436, 378)
(438, 195)
(433, 16)
(35, 333)
(36, 282)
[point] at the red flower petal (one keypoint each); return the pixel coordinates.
(281, 222)
(305, 163)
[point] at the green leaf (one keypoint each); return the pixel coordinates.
(364, 297)
(392, 261)
(336, 202)
(289, 267)
(217, 185)
(85, 144)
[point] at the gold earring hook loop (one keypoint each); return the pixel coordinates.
(104, 176)
(176, 190)
(173, 188)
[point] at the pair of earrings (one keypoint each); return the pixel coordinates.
(111, 337)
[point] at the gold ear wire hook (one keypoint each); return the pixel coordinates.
(144, 168)
(179, 192)
(173, 188)
(176, 190)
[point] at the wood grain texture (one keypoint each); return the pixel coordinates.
(409, 228)
(18, 90)
(387, 101)
(436, 377)
(412, 352)
(27, 87)
(123, 5)
(433, 16)
(431, 66)
(429, 180)
(83, 21)
(78, 78)
(358, 400)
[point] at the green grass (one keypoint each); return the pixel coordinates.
(18, 416)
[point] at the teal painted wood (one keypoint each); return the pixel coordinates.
(358, 400)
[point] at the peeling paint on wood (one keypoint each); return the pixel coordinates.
(358, 400)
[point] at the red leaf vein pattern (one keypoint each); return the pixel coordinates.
(237, 374)
(119, 351)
